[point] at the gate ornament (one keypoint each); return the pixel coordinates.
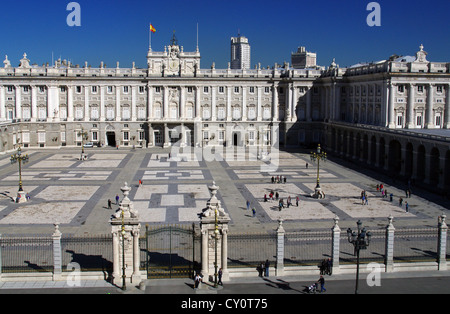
(126, 254)
(214, 230)
(213, 203)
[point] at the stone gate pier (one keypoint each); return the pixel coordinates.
(126, 229)
(214, 231)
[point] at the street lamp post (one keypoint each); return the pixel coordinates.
(360, 241)
(19, 158)
(318, 156)
(124, 285)
(216, 236)
(84, 136)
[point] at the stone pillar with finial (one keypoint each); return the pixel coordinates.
(126, 229)
(214, 225)
(389, 254)
(442, 243)
(335, 245)
(280, 248)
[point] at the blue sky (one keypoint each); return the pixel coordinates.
(117, 30)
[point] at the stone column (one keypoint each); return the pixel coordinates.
(275, 103)
(166, 114)
(118, 113)
(244, 103)
(183, 103)
(308, 104)
(229, 114)
(102, 103)
(389, 253)
(429, 123)
(149, 102)
(18, 102)
(410, 108)
(213, 217)
(391, 107)
(133, 102)
(335, 246)
(197, 102)
(125, 229)
(280, 249)
(57, 254)
(69, 103)
(442, 243)
(259, 104)
(225, 273)
(447, 109)
(33, 103)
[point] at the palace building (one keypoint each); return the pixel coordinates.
(391, 114)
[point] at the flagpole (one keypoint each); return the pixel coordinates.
(150, 37)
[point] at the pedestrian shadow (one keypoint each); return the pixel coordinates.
(280, 284)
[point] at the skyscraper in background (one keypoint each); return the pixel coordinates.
(240, 53)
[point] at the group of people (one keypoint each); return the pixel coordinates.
(364, 198)
(276, 196)
(263, 268)
(384, 194)
(278, 179)
(326, 266)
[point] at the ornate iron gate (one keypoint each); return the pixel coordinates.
(172, 251)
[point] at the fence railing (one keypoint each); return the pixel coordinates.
(19, 254)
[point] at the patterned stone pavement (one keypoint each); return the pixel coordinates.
(75, 193)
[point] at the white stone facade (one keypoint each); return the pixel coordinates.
(175, 101)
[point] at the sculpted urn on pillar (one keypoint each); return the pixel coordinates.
(125, 229)
(214, 229)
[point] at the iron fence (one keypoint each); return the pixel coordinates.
(249, 250)
(26, 254)
(375, 252)
(176, 247)
(92, 253)
(413, 245)
(307, 248)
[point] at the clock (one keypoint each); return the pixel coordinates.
(174, 65)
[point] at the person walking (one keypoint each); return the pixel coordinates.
(220, 277)
(266, 268)
(109, 204)
(322, 284)
(407, 207)
(296, 200)
(117, 199)
(248, 204)
(254, 212)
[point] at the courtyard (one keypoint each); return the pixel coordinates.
(174, 190)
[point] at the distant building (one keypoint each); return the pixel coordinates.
(240, 53)
(303, 59)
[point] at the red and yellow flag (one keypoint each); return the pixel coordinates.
(152, 29)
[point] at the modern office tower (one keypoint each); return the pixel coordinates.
(240, 53)
(303, 59)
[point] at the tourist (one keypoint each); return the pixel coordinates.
(407, 207)
(109, 204)
(297, 200)
(266, 267)
(322, 284)
(248, 204)
(220, 277)
(254, 212)
(117, 199)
